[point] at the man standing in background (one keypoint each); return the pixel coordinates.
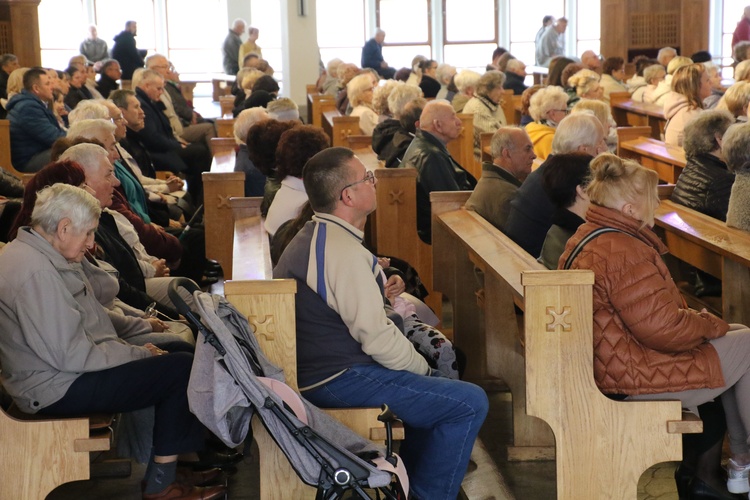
(552, 42)
(126, 53)
(231, 47)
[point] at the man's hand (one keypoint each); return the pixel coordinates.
(394, 287)
(174, 183)
(155, 351)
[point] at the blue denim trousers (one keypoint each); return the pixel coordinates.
(441, 420)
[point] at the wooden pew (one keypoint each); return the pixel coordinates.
(269, 306)
(317, 104)
(222, 85)
(638, 114)
(225, 127)
(38, 455)
(667, 161)
(485, 324)
(509, 107)
(339, 127)
(359, 142)
(711, 246)
(226, 104)
(551, 375)
(218, 188)
(462, 149)
(5, 159)
(602, 446)
(221, 146)
(629, 134)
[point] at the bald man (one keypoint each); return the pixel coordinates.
(436, 169)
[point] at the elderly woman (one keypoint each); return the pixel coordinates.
(262, 139)
(60, 353)
(444, 75)
(255, 180)
(736, 150)
(415, 75)
(603, 113)
(360, 91)
(705, 183)
(429, 84)
(690, 86)
(246, 78)
(547, 107)
(345, 73)
(717, 89)
(654, 75)
(466, 83)
(586, 85)
(380, 99)
(486, 106)
(390, 139)
(296, 146)
(564, 181)
(613, 75)
(735, 100)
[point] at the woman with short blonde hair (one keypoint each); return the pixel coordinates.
(547, 107)
(360, 92)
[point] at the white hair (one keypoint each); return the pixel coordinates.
(90, 129)
(283, 109)
(89, 109)
(86, 155)
(466, 79)
(60, 201)
(574, 131)
(400, 96)
(246, 119)
(514, 65)
(444, 73)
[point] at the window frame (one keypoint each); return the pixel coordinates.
(495, 17)
(427, 42)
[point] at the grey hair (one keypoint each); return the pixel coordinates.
(153, 58)
(503, 139)
(735, 146)
(237, 22)
(86, 155)
(736, 98)
(148, 75)
(356, 87)
(652, 72)
(489, 82)
(466, 79)
(90, 129)
(742, 70)
(665, 52)
(700, 132)
(583, 81)
(574, 131)
(59, 201)
(333, 66)
(246, 119)
(283, 109)
(401, 96)
(444, 73)
(546, 99)
(89, 109)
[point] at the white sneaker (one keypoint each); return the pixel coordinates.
(738, 475)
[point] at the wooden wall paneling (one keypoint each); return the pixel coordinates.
(614, 40)
(24, 30)
(695, 14)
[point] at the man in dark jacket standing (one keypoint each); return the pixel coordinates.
(372, 55)
(33, 127)
(436, 169)
(231, 47)
(125, 51)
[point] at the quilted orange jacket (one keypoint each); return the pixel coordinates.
(646, 340)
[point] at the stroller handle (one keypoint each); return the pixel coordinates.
(174, 294)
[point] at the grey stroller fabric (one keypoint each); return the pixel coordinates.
(224, 393)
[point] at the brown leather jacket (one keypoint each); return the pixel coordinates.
(646, 340)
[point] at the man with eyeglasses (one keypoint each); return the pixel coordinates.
(349, 353)
(436, 169)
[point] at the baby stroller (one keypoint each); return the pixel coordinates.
(232, 380)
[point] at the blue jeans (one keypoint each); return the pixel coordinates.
(441, 420)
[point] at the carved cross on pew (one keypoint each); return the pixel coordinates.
(265, 327)
(558, 319)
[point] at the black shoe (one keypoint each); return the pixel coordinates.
(683, 477)
(213, 460)
(700, 490)
(206, 281)
(212, 265)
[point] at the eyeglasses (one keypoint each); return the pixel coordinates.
(369, 177)
(562, 111)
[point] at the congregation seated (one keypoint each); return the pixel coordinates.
(486, 107)
(664, 88)
(526, 104)
(735, 100)
(428, 83)
(653, 75)
(84, 367)
(372, 55)
(735, 150)
(651, 346)
(564, 181)
(380, 100)
(78, 90)
(295, 147)
(33, 127)
(392, 137)
(444, 75)
(587, 86)
(691, 84)
(345, 73)
(436, 169)
(512, 157)
(329, 85)
(466, 82)
(706, 182)
(717, 89)
(349, 353)
(360, 90)
(637, 84)
(613, 76)
(255, 180)
(283, 109)
(591, 60)
(264, 90)
(166, 151)
(603, 113)
(109, 74)
(547, 107)
(515, 74)
(556, 68)
(531, 210)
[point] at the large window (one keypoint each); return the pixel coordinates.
(588, 26)
(407, 27)
(343, 40)
(526, 22)
(187, 48)
(266, 16)
(470, 32)
(59, 45)
(731, 13)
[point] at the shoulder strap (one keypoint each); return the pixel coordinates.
(593, 234)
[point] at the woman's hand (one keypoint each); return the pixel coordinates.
(155, 351)
(161, 269)
(157, 325)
